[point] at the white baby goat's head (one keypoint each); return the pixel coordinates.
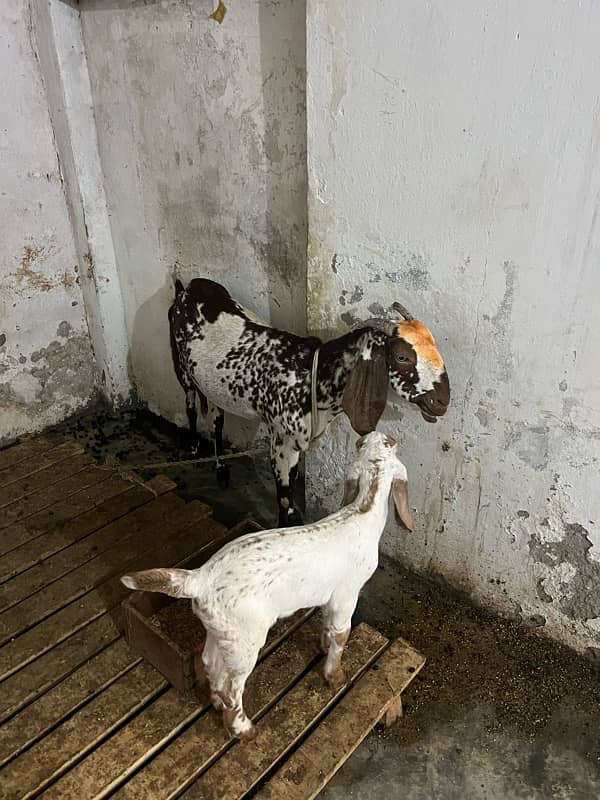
(376, 461)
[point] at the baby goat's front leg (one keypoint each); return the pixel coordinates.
(337, 620)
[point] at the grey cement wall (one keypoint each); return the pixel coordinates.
(46, 363)
(202, 137)
(454, 165)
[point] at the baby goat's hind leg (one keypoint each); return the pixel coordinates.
(215, 672)
(239, 659)
(337, 620)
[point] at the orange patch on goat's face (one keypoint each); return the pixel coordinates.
(419, 336)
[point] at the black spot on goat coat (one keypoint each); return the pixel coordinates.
(254, 371)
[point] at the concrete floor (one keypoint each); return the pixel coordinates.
(497, 712)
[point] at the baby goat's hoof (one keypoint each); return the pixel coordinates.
(336, 680)
(237, 726)
(248, 734)
(223, 474)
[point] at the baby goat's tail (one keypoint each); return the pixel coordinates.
(179, 287)
(174, 582)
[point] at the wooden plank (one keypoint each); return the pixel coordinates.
(81, 580)
(25, 448)
(16, 512)
(65, 698)
(174, 547)
(205, 740)
(332, 742)
(38, 462)
(244, 765)
(33, 770)
(61, 512)
(111, 763)
(24, 686)
(71, 559)
(38, 481)
(67, 535)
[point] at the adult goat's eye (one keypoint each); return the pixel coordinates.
(402, 359)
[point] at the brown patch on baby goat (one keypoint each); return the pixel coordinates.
(167, 581)
(420, 337)
(337, 677)
(351, 489)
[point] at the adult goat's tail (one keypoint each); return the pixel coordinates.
(179, 287)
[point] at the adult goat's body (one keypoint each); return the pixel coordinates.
(246, 368)
(262, 577)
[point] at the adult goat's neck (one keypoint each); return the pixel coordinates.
(337, 359)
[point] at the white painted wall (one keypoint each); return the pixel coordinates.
(46, 364)
(202, 137)
(454, 165)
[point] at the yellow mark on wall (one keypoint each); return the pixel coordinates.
(219, 13)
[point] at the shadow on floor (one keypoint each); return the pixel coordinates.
(497, 712)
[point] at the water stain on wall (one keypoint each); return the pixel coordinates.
(62, 373)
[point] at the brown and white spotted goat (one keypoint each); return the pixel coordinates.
(248, 369)
(259, 578)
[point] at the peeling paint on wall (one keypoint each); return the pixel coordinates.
(577, 586)
(46, 363)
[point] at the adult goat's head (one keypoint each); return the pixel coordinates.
(408, 360)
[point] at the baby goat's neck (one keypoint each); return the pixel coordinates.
(372, 498)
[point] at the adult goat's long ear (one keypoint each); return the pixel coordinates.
(350, 491)
(400, 495)
(174, 582)
(366, 391)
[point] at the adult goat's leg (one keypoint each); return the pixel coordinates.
(284, 461)
(222, 467)
(190, 408)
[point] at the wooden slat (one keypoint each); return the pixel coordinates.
(71, 559)
(67, 535)
(34, 769)
(244, 765)
(22, 688)
(41, 461)
(16, 512)
(49, 599)
(120, 756)
(320, 756)
(61, 512)
(174, 547)
(62, 700)
(26, 448)
(38, 481)
(203, 742)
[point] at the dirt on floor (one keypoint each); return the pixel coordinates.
(476, 659)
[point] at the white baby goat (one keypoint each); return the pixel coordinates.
(262, 577)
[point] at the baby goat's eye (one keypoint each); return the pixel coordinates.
(402, 359)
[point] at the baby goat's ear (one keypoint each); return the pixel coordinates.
(400, 494)
(174, 582)
(350, 491)
(365, 394)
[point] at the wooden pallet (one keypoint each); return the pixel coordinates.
(83, 716)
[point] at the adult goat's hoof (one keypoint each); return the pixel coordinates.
(295, 518)
(223, 475)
